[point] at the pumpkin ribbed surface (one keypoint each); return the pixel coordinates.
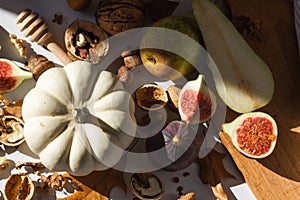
(78, 119)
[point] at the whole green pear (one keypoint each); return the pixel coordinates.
(165, 64)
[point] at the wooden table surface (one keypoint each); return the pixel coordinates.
(277, 176)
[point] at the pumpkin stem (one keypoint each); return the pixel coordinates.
(81, 114)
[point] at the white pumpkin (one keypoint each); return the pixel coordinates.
(78, 119)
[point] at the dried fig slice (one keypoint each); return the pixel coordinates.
(151, 97)
(254, 134)
(86, 41)
(11, 129)
(18, 186)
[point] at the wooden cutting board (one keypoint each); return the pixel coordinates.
(277, 176)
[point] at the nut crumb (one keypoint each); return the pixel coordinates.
(19, 44)
(57, 19)
(188, 196)
(55, 181)
(219, 192)
(36, 166)
(3, 163)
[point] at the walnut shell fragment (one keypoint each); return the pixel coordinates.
(188, 196)
(9, 107)
(11, 129)
(3, 163)
(151, 97)
(131, 59)
(6, 166)
(146, 186)
(85, 40)
(18, 186)
(116, 16)
(173, 93)
(124, 74)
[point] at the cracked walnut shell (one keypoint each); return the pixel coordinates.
(86, 41)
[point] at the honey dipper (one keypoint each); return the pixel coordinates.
(31, 24)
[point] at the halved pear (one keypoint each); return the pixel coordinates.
(243, 80)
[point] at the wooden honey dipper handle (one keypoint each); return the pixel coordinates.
(33, 25)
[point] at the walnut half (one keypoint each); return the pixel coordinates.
(11, 130)
(146, 186)
(19, 186)
(85, 40)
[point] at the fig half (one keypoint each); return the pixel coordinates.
(11, 76)
(253, 134)
(86, 41)
(196, 102)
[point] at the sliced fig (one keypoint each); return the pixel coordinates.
(254, 134)
(11, 75)
(85, 40)
(196, 102)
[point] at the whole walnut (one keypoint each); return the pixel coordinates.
(115, 16)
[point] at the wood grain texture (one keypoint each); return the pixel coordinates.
(277, 176)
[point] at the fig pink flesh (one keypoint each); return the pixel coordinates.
(255, 135)
(192, 102)
(189, 104)
(6, 80)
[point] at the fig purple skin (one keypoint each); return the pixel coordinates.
(180, 143)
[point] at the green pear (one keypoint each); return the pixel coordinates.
(161, 62)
